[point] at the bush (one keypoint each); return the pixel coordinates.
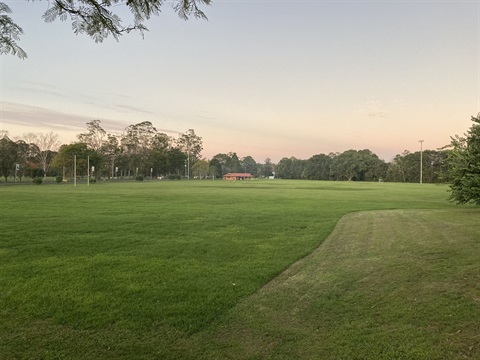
(37, 173)
(93, 180)
(37, 180)
(464, 166)
(59, 179)
(139, 178)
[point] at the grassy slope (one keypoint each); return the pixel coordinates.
(134, 270)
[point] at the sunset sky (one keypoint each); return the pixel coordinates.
(261, 78)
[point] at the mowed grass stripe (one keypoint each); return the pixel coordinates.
(401, 284)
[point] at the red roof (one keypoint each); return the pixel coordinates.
(238, 175)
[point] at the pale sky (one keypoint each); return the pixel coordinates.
(261, 78)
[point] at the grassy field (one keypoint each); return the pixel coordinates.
(189, 269)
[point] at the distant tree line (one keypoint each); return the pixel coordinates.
(364, 165)
(142, 150)
(30, 156)
(222, 164)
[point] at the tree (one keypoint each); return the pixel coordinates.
(464, 165)
(405, 167)
(160, 146)
(290, 168)
(191, 144)
(137, 145)
(220, 161)
(266, 169)
(358, 165)
(95, 136)
(217, 163)
(24, 151)
(110, 151)
(318, 167)
(213, 171)
(66, 158)
(249, 165)
(397, 170)
(46, 146)
(8, 156)
(9, 34)
(233, 163)
(201, 168)
(176, 161)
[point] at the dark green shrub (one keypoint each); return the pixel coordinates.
(37, 180)
(139, 178)
(37, 173)
(59, 179)
(93, 180)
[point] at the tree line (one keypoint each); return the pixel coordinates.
(364, 165)
(142, 150)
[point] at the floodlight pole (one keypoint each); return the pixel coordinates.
(188, 162)
(88, 170)
(74, 170)
(421, 161)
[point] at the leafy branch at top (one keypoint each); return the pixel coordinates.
(97, 19)
(9, 34)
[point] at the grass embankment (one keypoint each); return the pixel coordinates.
(153, 270)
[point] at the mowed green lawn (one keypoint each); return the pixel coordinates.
(177, 270)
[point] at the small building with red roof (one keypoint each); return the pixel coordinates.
(238, 176)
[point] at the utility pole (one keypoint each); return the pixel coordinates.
(421, 161)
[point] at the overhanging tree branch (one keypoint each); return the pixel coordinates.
(9, 34)
(96, 19)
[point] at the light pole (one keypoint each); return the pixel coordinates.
(421, 160)
(88, 170)
(74, 170)
(188, 162)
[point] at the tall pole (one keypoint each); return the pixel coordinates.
(75, 170)
(188, 162)
(88, 170)
(421, 160)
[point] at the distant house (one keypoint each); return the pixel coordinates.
(238, 176)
